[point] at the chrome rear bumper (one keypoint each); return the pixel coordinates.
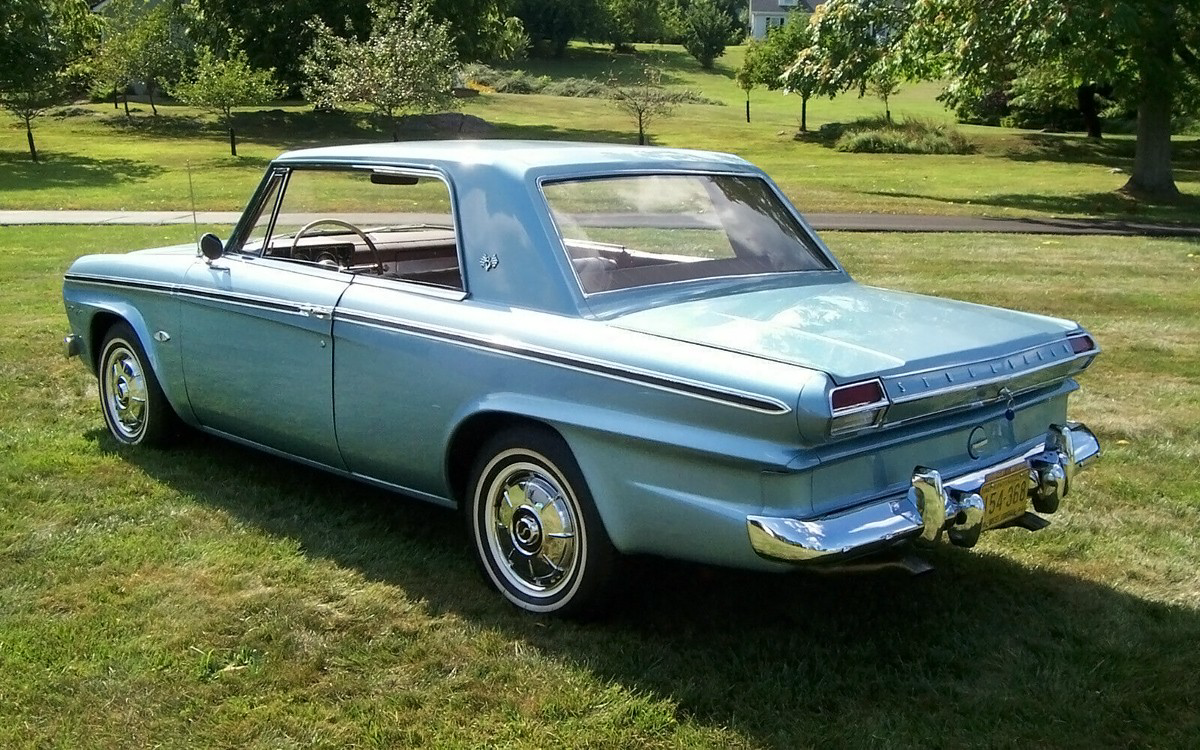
(931, 506)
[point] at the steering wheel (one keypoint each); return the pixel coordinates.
(345, 225)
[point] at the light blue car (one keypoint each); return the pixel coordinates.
(592, 351)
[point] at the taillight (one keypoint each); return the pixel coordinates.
(856, 394)
(1081, 343)
(856, 406)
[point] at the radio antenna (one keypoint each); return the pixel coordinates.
(192, 195)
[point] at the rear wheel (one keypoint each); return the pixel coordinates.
(534, 527)
(134, 407)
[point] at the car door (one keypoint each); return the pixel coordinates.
(256, 340)
(258, 354)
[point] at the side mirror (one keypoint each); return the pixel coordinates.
(211, 246)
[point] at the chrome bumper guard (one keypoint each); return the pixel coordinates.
(72, 346)
(933, 505)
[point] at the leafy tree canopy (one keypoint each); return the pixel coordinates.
(771, 63)
(40, 43)
(220, 83)
(623, 22)
(277, 32)
(705, 31)
(407, 64)
(1144, 51)
(141, 42)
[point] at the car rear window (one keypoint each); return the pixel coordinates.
(630, 231)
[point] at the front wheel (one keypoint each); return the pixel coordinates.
(135, 409)
(534, 527)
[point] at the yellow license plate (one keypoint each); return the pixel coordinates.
(1005, 495)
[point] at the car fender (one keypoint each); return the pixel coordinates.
(658, 486)
(163, 356)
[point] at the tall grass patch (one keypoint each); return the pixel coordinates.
(877, 135)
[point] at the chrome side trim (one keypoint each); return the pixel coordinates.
(661, 381)
(932, 506)
(72, 346)
(247, 300)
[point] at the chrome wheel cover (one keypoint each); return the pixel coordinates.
(531, 524)
(124, 391)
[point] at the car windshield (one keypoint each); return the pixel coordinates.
(623, 232)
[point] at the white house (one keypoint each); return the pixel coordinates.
(767, 14)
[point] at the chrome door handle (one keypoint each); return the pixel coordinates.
(313, 311)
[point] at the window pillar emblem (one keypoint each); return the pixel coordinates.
(488, 262)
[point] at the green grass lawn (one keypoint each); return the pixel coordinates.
(97, 159)
(210, 596)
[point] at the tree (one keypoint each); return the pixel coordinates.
(222, 83)
(277, 33)
(673, 12)
(623, 22)
(141, 43)
(551, 24)
(1147, 50)
(705, 31)
(771, 63)
(853, 42)
(644, 100)
(407, 64)
(883, 81)
(40, 41)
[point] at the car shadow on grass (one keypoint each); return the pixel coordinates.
(58, 170)
(982, 652)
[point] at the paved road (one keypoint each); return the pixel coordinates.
(838, 222)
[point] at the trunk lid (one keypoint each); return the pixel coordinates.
(848, 330)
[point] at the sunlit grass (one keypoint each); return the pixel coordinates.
(210, 596)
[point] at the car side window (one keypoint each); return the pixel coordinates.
(389, 223)
(266, 210)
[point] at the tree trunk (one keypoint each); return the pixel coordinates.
(1152, 176)
(29, 137)
(125, 101)
(747, 106)
(232, 141)
(1087, 107)
(150, 93)
(641, 134)
(116, 99)
(804, 113)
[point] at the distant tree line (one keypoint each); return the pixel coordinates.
(396, 56)
(1022, 62)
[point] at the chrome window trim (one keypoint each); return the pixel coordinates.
(241, 231)
(585, 175)
(428, 171)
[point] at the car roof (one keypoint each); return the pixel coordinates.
(537, 157)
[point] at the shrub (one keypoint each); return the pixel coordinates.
(582, 87)
(486, 78)
(912, 136)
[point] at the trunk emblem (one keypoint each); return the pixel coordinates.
(977, 443)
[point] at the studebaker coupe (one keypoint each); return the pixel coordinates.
(592, 350)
